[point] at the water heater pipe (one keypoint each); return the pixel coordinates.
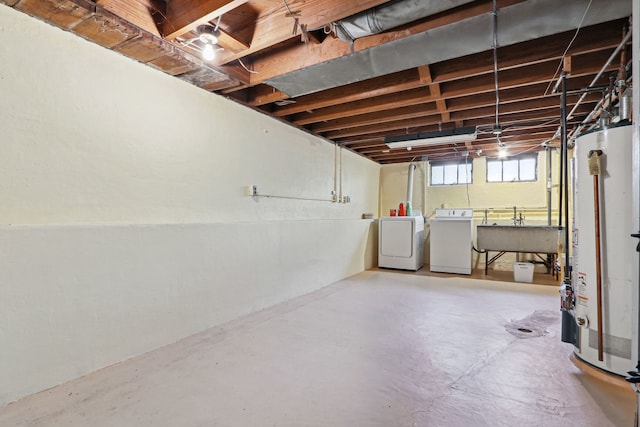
(565, 169)
(412, 167)
(622, 45)
(340, 199)
(334, 195)
(549, 166)
(596, 213)
(563, 144)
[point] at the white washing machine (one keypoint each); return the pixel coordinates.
(451, 241)
(401, 242)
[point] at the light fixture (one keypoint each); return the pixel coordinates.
(502, 150)
(466, 134)
(208, 35)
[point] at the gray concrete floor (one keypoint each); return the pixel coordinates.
(378, 349)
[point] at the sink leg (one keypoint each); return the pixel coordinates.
(486, 262)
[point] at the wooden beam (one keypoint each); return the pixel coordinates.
(566, 65)
(230, 43)
(411, 126)
(416, 96)
(466, 11)
(63, 13)
(424, 72)
(264, 94)
(397, 106)
(144, 14)
(415, 78)
(406, 125)
(298, 56)
(377, 86)
(590, 39)
(273, 26)
(403, 113)
(423, 95)
(582, 65)
(185, 15)
(603, 36)
(428, 111)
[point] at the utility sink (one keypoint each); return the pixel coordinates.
(519, 238)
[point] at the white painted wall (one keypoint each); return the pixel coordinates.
(124, 223)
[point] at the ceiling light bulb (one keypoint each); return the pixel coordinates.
(409, 148)
(502, 153)
(208, 53)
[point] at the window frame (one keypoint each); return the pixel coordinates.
(458, 162)
(519, 158)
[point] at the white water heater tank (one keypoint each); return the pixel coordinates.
(617, 248)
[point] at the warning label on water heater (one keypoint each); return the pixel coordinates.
(581, 288)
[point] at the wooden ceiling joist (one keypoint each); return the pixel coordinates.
(449, 94)
(274, 26)
(183, 16)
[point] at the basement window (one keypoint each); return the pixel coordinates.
(521, 168)
(451, 172)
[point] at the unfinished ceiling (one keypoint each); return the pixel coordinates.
(356, 72)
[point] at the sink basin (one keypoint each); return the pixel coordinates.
(520, 238)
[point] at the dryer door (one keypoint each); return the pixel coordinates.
(396, 238)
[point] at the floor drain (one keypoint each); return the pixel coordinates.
(525, 330)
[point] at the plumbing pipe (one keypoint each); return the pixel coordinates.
(601, 72)
(340, 197)
(563, 144)
(596, 214)
(425, 174)
(412, 167)
(579, 129)
(567, 298)
(565, 161)
(335, 172)
(599, 107)
(496, 127)
(549, 166)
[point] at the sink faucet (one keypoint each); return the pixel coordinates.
(517, 219)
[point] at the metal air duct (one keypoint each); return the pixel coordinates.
(519, 22)
(390, 15)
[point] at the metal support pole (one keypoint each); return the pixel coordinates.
(563, 144)
(549, 187)
(565, 167)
